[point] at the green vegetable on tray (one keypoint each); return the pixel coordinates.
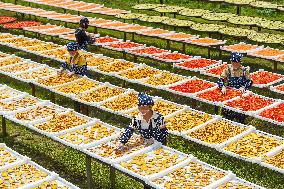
(147, 6)
(178, 22)
(240, 2)
(207, 27)
(245, 20)
(194, 12)
(273, 25)
(154, 19)
(129, 16)
(168, 9)
(264, 4)
(217, 16)
(237, 32)
(266, 38)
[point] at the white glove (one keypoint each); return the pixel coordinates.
(70, 74)
(223, 91)
(149, 141)
(243, 90)
(119, 148)
(60, 71)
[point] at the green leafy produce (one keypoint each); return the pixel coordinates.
(206, 27)
(168, 9)
(266, 38)
(237, 32)
(178, 22)
(147, 6)
(217, 16)
(193, 12)
(246, 20)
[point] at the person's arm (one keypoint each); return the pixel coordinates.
(248, 82)
(128, 132)
(223, 79)
(162, 131)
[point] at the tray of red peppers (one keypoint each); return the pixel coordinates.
(214, 96)
(122, 46)
(215, 71)
(6, 19)
(106, 40)
(273, 114)
(264, 78)
(249, 103)
(197, 64)
(172, 57)
(22, 24)
(191, 87)
(278, 88)
(148, 51)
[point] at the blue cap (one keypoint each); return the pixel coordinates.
(236, 57)
(72, 46)
(84, 21)
(145, 100)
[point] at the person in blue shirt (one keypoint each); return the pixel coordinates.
(149, 124)
(76, 62)
(82, 38)
(235, 76)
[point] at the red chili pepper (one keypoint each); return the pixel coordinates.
(106, 40)
(174, 56)
(198, 63)
(276, 113)
(216, 95)
(217, 70)
(6, 19)
(250, 103)
(280, 88)
(264, 77)
(125, 45)
(149, 50)
(22, 24)
(192, 86)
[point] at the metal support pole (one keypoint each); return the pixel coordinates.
(112, 177)
(193, 103)
(124, 36)
(133, 37)
(183, 47)
(220, 53)
(76, 106)
(33, 89)
(95, 30)
(52, 97)
(168, 44)
(89, 172)
(216, 109)
(4, 129)
(275, 65)
(238, 10)
(209, 53)
(134, 58)
(87, 110)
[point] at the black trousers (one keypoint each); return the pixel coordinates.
(229, 114)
